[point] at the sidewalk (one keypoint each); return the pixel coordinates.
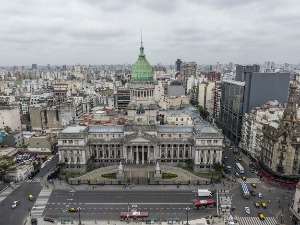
(63, 185)
(200, 221)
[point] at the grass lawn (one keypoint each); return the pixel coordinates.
(169, 175)
(109, 175)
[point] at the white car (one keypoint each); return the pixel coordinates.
(247, 210)
(260, 195)
(15, 204)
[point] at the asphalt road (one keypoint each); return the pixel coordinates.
(17, 215)
(102, 205)
(49, 166)
(279, 198)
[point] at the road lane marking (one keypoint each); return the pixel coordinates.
(70, 199)
(139, 203)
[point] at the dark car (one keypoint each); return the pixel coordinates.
(33, 221)
(253, 193)
(251, 170)
(49, 219)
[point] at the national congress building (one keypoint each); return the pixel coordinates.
(145, 138)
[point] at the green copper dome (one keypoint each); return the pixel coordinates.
(141, 70)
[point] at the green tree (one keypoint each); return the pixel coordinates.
(27, 116)
(7, 129)
(194, 102)
(218, 167)
(203, 112)
(5, 162)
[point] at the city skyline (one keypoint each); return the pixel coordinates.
(108, 32)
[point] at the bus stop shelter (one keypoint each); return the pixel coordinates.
(150, 220)
(172, 220)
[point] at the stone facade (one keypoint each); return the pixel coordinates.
(280, 145)
(141, 144)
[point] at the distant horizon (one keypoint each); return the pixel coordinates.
(68, 65)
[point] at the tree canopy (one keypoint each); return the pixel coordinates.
(6, 162)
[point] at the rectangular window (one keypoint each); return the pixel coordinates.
(70, 141)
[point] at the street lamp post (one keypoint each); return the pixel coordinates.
(187, 215)
(79, 216)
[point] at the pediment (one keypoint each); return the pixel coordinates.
(139, 139)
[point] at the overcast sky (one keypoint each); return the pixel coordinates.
(108, 31)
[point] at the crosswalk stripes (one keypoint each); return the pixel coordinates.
(256, 221)
(249, 180)
(5, 193)
(34, 180)
(40, 203)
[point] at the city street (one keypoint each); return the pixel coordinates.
(17, 215)
(279, 198)
(108, 204)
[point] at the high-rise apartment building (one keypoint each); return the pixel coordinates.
(178, 64)
(249, 90)
(33, 66)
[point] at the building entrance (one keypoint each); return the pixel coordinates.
(140, 157)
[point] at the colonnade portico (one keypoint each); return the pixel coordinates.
(139, 153)
(142, 93)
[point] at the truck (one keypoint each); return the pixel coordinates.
(201, 204)
(204, 193)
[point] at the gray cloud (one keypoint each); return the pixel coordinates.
(108, 31)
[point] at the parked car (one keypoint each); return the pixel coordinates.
(237, 174)
(256, 204)
(260, 195)
(251, 170)
(253, 193)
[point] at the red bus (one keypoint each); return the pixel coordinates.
(200, 204)
(133, 215)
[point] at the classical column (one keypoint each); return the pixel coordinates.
(143, 154)
(177, 151)
(109, 149)
(172, 153)
(124, 153)
(137, 154)
(131, 156)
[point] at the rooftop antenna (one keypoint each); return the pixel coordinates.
(246, 58)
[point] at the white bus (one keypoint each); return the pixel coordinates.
(245, 191)
(239, 168)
